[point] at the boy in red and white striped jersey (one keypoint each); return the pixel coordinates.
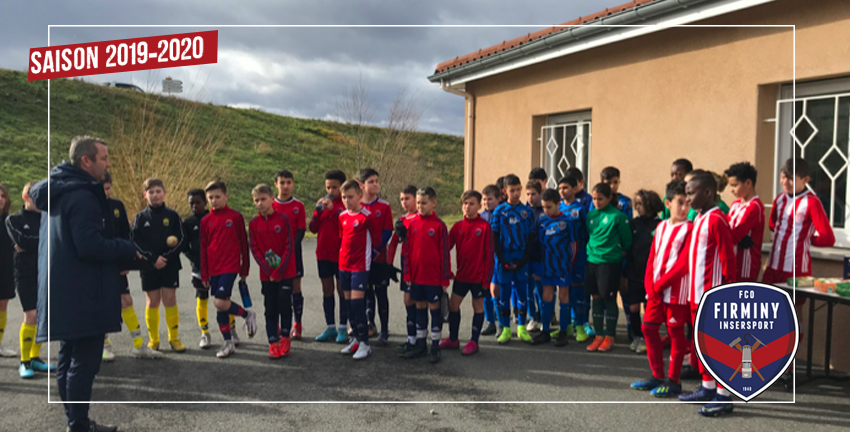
(746, 219)
(667, 294)
(797, 215)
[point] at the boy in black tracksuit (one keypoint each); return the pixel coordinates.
(161, 275)
(647, 204)
(192, 250)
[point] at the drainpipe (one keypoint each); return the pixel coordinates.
(469, 139)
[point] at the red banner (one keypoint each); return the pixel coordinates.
(125, 55)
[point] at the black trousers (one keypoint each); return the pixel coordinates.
(79, 362)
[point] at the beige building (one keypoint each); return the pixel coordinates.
(640, 97)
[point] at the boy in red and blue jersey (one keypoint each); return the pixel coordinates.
(294, 210)
(359, 233)
(325, 223)
(379, 276)
(224, 256)
(574, 304)
(407, 199)
(490, 200)
(428, 268)
(473, 239)
(581, 195)
(271, 243)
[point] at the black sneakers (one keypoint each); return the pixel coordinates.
(416, 352)
(434, 355)
(489, 329)
(563, 339)
(542, 338)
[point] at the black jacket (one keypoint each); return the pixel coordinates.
(85, 280)
(23, 229)
(151, 228)
(643, 232)
(192, 243)
(7, 261)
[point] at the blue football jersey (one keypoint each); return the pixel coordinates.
(513, 224)
(556, 238)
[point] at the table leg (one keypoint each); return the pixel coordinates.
(810, 342)
(828, 338)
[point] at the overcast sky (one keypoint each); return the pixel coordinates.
(299, 72)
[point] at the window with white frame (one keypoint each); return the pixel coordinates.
(816, 123)
(565, 144)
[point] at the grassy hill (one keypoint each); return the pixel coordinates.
(255, 144)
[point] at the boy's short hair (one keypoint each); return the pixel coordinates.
(335, 174)
(802, 169)
(538, 174)
(471, 194)
(27, 187)
(570, 180)
(550, 195)
(696, 172)
(684, 163)
(674, 188)
(366, 173)
(609, 172)
(216, 185)
(284, 173)
(491, 190)
(263, 189)
(575, 173)
(152, 183)
(604, 189)
(500, 183)
(651, 201)
(512, 180)
(196, 193)
(351, 184)
(410, 190)
(427, 191)
(534, 185)
(742, 171)
(706, 180)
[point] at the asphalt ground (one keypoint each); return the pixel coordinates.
(514, 376)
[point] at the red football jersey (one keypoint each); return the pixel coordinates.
(359, 233)
(794, 221)
(473, 241)
(394, 241)
(294, 210)
(224, 245)
(272, 233)
(382, 212)
(747, 219)
(427, 251)
(669, 251)
(711, 254)
(326, 225)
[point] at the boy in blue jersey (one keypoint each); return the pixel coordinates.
(513, 232)
(490, 199)
(582, 196)
(555, 235)
(573, 301)
(533, 191)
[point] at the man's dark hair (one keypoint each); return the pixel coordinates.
(427, 191)
(604, 189)
(284, 173)
(512, 180)
(470, 194)
(550, 195)
(335, 174)
(651, 201)
(83, 145)
(609, 172)
(410, 190)
(152, 183)
(534, 185)
(684, 163)
(107, 178)
(570, 180)
(675, 187)
(365, 173)
(351, 184)
(197, 193)
(802, 169)
(575, 173)
(491, 190)
(538, 174)
(216, 185)
(704, 179)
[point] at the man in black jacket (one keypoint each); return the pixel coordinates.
(85, 274)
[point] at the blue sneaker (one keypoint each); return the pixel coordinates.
(588, 329)
(25, 370)
(667, 388)
(39, 366)
(341, 337)
(647, 384)
(701, 395)
(718, 406)
(328, 335)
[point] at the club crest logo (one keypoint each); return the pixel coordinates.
(562, 224)
(574, 213)
(746, 335)
(478, 231)
(229, 223)
(431, 232)
(524, 214)
(356, 224)
(295, 210)
(378, 213)
(116, 213)
(166, 222)
(277, 228)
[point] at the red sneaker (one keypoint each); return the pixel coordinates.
(470, 348)
(607, 344)
(274, 351)
(296, 331)
(449, 344)
(595, 344)
(284, 346)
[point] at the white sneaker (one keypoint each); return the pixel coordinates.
(226, 350)
(234, 337)
(533, 326)
(206, 340)
(363, 351)
(6, 352)
(108, 355)
(641, 346)
(144, 352)
(634, 344)
(351, 347)
(251, 323)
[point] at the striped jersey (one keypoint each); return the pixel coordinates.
(794, 221)
(576, 214)
(360, 234)
(668, 247)
(556, 239)
(513, 223)
(747, 219)
(711, 256)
